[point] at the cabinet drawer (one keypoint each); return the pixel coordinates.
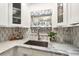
(24, 51)
(40, 53)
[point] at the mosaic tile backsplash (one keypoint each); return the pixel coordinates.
(6, 33)
(64, 35)
(68, 35)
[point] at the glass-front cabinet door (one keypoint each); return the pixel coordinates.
(19, 15)
(62, 14)
(16, 13)
(15, 10)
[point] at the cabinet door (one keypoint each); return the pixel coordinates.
(24, 51)
(31, 52)
(62, 14)
(15, 14)
(4, 14)
(40, 53)
(25, 15)
(22, 18)
(73, 13)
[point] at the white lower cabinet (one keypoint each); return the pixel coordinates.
(7, 53)
(32, 52)
(40, 53)
(10, 52)
(23, 51)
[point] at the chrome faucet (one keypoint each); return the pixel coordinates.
(38, 33)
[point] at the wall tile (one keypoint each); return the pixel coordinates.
(6, 33)
(68, 35)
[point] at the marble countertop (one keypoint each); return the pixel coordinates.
(52, 47)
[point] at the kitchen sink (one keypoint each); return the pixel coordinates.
(37, 43)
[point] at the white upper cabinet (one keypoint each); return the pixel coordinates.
(61, 15)
(3, 14)
(73, 13)
(19, 15)
(14, 15)
(70, 15)
(25, 15)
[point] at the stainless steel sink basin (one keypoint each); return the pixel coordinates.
(37, 43)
